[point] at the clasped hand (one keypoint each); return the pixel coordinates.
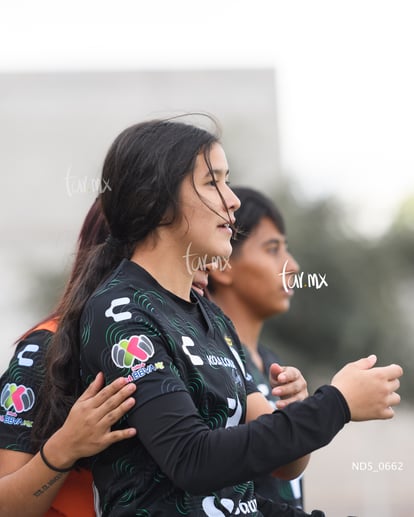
(288, 384)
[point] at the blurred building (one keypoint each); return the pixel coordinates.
(55, 131)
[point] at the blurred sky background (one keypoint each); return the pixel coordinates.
(343, 70)
(318, 91)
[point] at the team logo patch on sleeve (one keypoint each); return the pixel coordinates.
(17, 398)
(119, 315)
(22, 356)
(127, 351)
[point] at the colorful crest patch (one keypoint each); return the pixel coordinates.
(17, 398)
(135, 349)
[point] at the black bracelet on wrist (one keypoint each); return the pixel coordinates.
(42, 455)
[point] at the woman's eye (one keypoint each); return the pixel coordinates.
(273, 250)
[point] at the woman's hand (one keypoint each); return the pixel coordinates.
(370, 392)
(87, 428)
(27, 486)
(288, 384)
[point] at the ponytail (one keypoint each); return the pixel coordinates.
(62, 385)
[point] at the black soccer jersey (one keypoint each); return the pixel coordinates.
(191, 456)
(19, 387)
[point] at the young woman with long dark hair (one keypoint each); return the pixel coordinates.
(203, 429)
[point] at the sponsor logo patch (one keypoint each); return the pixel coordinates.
(134, 349)
(17, 398)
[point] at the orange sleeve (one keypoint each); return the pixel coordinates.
(75, 498)
(47, 325)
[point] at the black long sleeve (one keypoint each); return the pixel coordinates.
(200, 460)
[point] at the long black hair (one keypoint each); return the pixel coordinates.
(142, 174)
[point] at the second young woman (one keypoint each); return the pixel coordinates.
(203, 430)
(32, 484)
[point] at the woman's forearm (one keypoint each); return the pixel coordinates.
(30, 489)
